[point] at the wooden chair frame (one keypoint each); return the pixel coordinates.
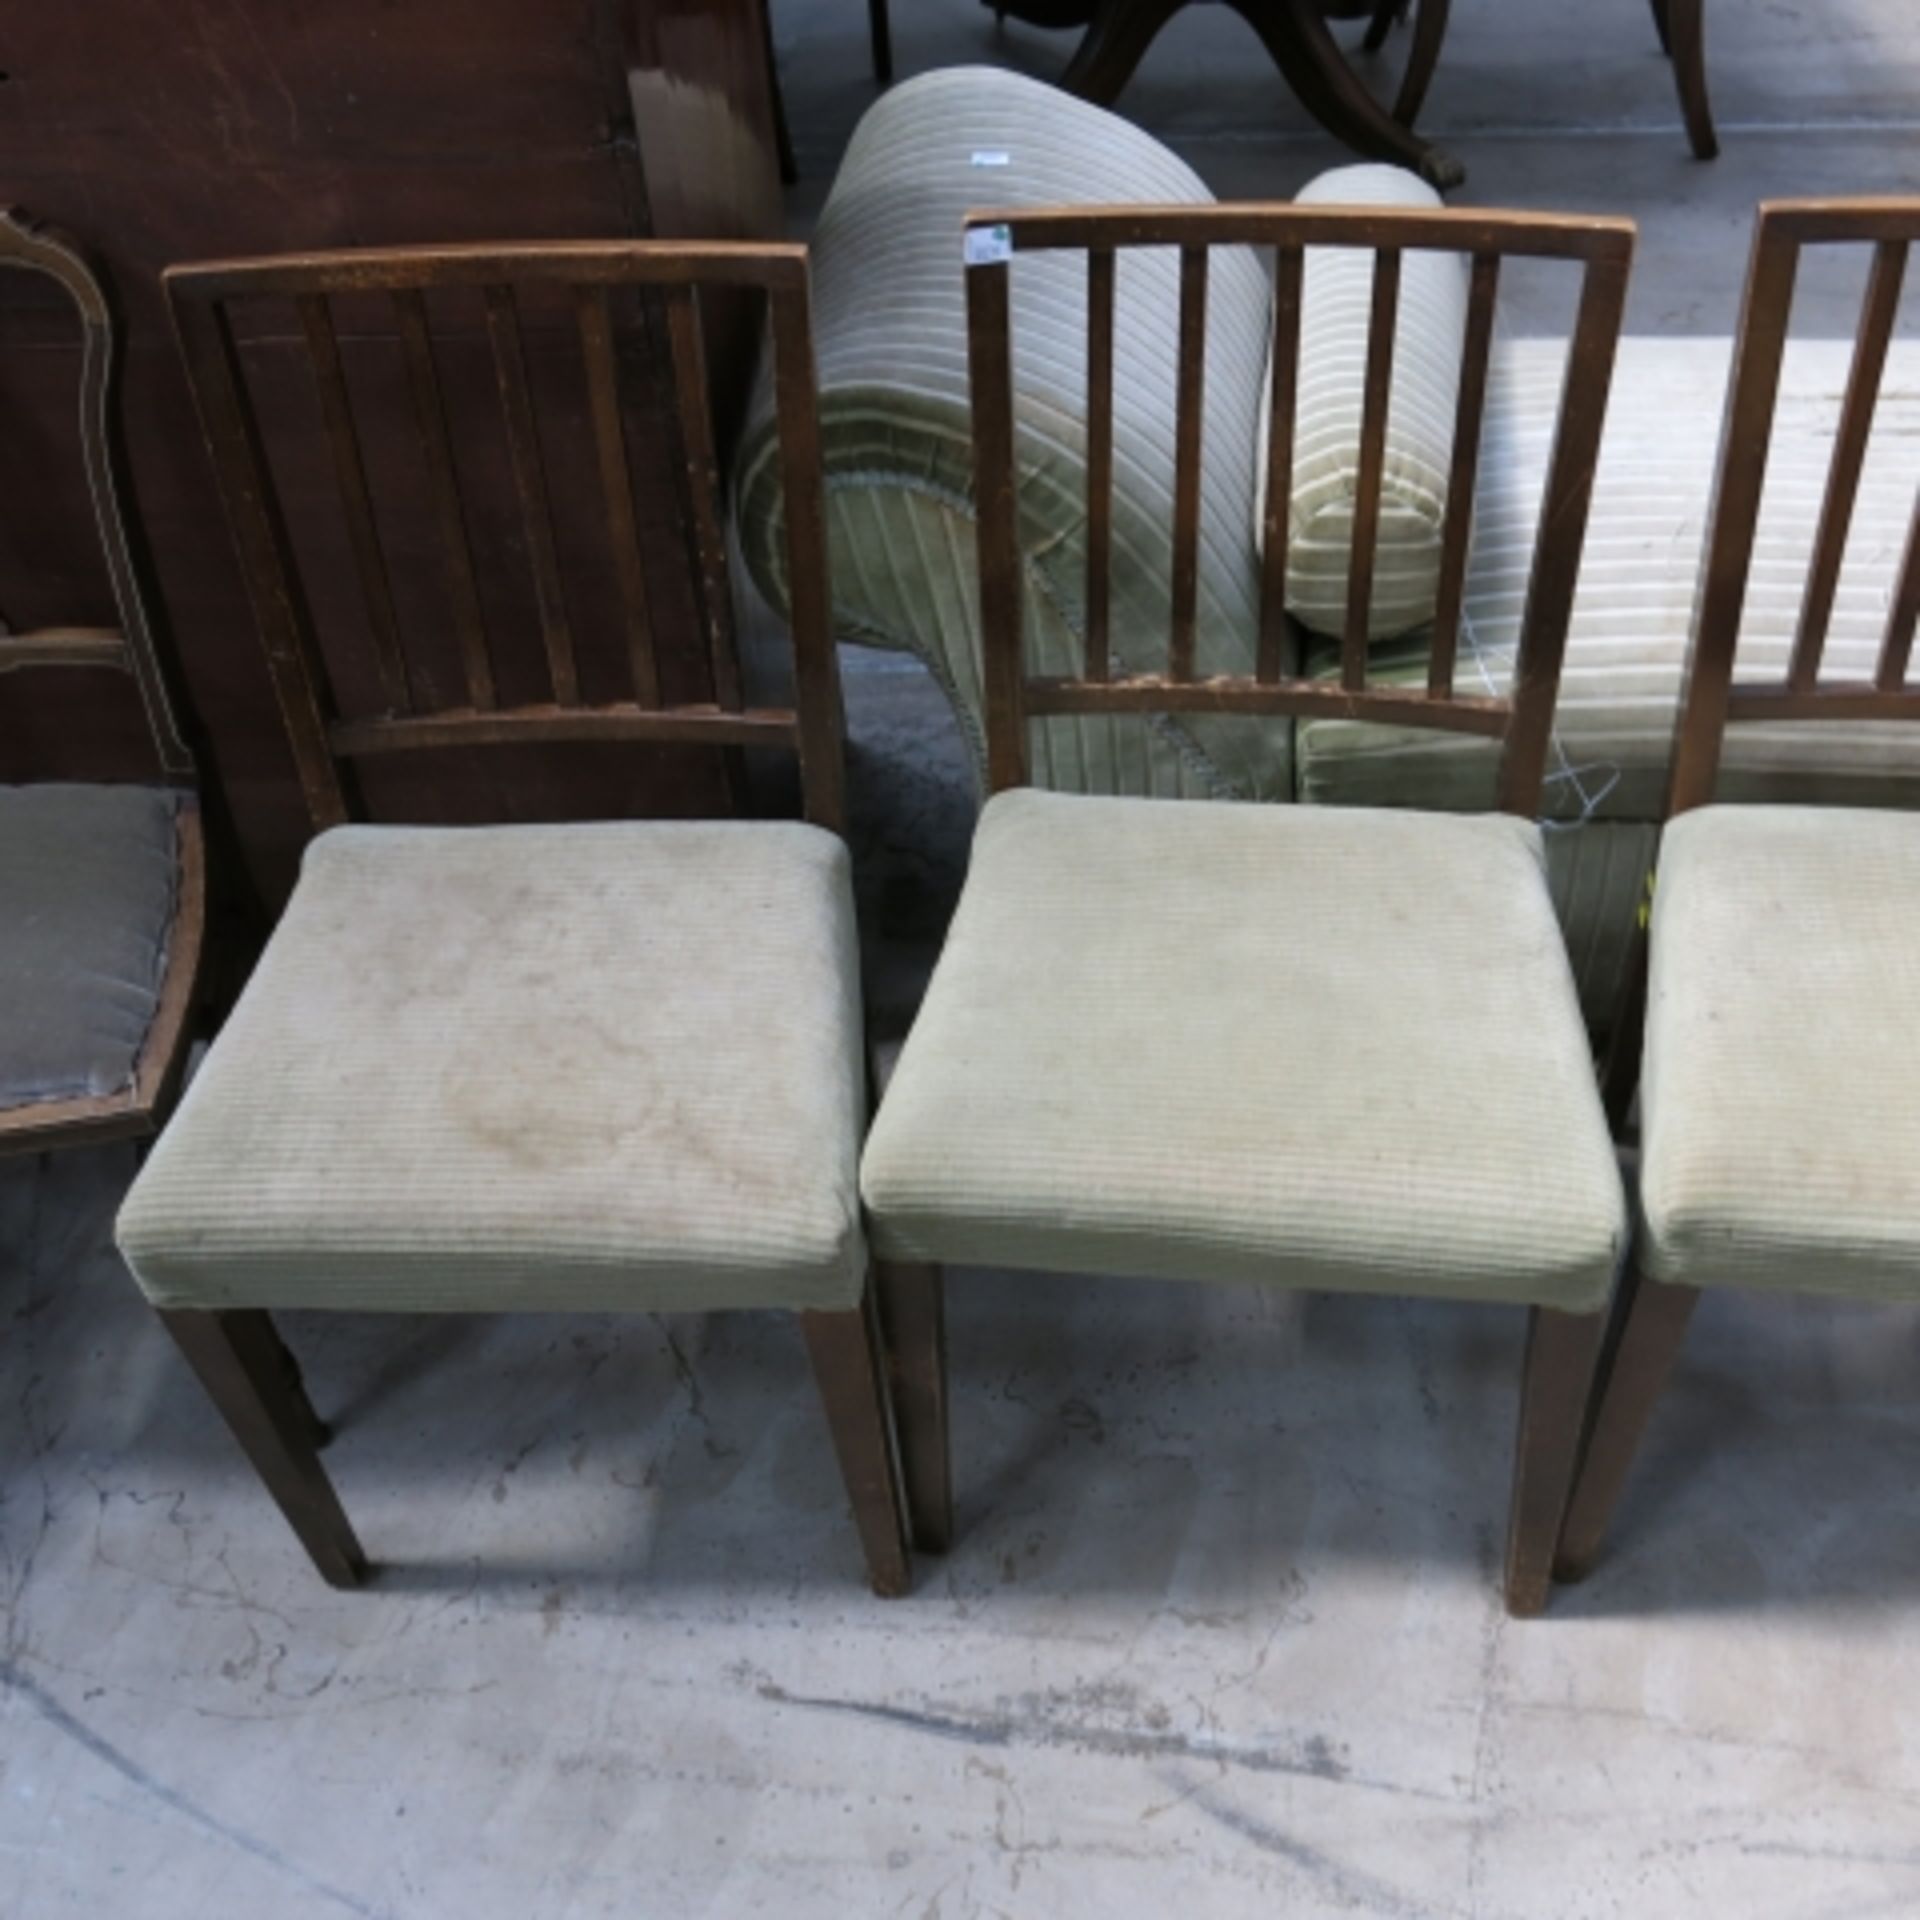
(1562, 1348)
(1651, 1318)
(235, 1353)
(132, 649)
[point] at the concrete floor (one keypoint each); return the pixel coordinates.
(1220, 1631)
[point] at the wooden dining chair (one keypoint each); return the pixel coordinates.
(1315, 1047)
(586, 1066)
(103, 887)
(1780, 1079)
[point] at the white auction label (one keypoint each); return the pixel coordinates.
(988, 246)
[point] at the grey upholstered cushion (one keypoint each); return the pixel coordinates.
(1781, 1087)
(88, 876)
(1634, 606)
(1335, 307)
(1313, 1047)
(596, 1066)
(891, 338)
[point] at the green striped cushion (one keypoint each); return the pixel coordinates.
(1335, 303)
(890, 335)
(1633, 608)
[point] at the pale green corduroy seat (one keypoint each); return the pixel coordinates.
(1330, 1048)
(605, 1066)
(1780, 1110)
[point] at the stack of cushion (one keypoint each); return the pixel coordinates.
(891, 338)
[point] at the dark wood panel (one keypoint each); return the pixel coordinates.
(165, 134)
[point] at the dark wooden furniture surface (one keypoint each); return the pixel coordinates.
(130, 652)
(1296, 35)
(203, 130)
(432, 700)
(1562, 1348)
(1652, 1317)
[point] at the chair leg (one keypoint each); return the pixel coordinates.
(913, 1321)
(245, 1370)
(1661, 27)
(1563, 1352)
(1687, 40)
(848, 1364)
(1652, 1324)
(880, 36)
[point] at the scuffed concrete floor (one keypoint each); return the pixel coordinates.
(1220, 1632)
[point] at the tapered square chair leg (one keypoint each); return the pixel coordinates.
(247, 1374)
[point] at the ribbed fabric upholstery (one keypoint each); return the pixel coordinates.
(1634, 607)
(604, 1066)
(88, 877)
(1781, 1085)
(890, 336)
(1335, 302)
(1326, 1048)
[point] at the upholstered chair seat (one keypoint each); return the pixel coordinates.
(1781, 1094)
(1318, 1047)
(89, 883)
(599, 1066)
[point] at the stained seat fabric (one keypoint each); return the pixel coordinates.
(595, 1066)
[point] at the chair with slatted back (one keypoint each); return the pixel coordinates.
(1779, 1073)
(1317, 1047)
(102, 886)
(586, 1066)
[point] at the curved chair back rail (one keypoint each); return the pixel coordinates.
(668, 280)
(28, 245)
(1522, 720)
(165, 925)
(1712, 698)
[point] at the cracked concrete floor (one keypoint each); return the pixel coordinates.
(1220, 1631)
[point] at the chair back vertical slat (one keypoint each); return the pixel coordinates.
(266, 556)
(694, 409)
(1282, 412)
(1189, 407)
(616, 483)
(530, 482)
(436, 445)
(1877, 310)
(1548, 610)
(1520, 719)
(350, 476)
(1896, 648)
(1099, 457)
(990, 368)
(1382, 315)
(579, 279)
(1464, 473)
(810, 607)
(1746, 432)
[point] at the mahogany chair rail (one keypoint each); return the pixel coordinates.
(1713, 698)
(234, 1350)
(1651, 1317)
(669, 278)
(1522, 719)
(28, 245)
(1562, 1346)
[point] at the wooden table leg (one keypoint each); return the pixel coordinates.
(1296, 35)
(1115, 42)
